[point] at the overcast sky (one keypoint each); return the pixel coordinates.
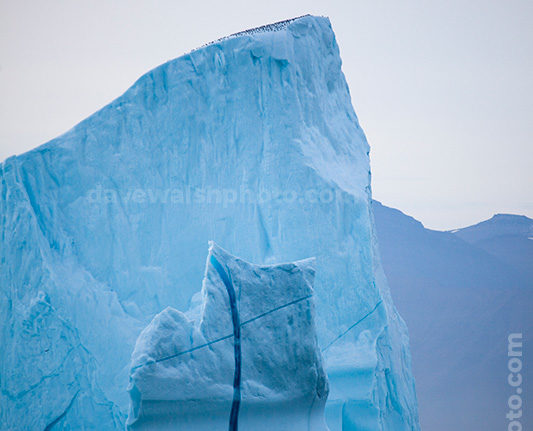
(443, 89)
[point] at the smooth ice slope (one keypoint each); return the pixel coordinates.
(185, 371)
(251, 141)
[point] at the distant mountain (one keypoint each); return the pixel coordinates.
(508, 237)
(461, 294)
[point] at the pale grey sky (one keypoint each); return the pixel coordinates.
(443, 89)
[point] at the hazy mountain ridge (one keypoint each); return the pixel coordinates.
(461, 293)
(509, 237)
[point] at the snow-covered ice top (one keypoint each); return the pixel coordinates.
(187, 373)
(251, 141)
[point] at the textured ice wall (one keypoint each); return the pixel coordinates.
(106, 226)
(246, 355)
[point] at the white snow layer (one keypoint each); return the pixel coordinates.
(105, 226)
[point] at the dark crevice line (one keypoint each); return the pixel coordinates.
(276, 309)
(62, 415)
(234, 414)
(201, 346)
(175, 355)
(352, 326)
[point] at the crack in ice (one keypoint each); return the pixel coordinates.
(352, 326)
(62, 415)
(225, 337)
(234, 414)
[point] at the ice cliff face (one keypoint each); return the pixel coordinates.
(245, 355)
(250, 141)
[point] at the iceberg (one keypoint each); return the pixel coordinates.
(245, 355)
(250, 141)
